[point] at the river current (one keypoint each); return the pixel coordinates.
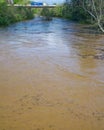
(51, 76)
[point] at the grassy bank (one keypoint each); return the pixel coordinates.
(12, 14)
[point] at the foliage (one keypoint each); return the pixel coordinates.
(95, 8)
(70, 11)
(84, 11)
(5, 14)
(66, 11)
(10, 14)
(46, 13)
(89, 10)
(21, 2)
(78, 14)
(57, 11)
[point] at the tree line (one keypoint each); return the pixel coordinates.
(84, 11)
(90, 10)
(11, 14)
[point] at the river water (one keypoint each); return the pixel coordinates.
(51, 76)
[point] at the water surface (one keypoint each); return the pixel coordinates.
(51, 76)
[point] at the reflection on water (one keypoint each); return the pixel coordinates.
(51, 76)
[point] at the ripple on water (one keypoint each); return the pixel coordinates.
(51, 76)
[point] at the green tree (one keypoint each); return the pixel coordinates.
(10, 14)
(76, 11)
(96, 9)
(21, 1)
(45, 12)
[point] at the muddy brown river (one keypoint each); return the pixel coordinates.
(51, 76)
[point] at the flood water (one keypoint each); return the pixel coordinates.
(51, 76)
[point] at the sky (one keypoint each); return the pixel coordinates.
(54, 1)
(51, 1)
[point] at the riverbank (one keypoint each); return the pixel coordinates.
(75, 13)
(9, 15)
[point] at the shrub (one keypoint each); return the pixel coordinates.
(45, 12)
(10, 14)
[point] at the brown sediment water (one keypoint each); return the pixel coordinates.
(51, 76)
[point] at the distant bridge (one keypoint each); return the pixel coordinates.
(34, 6)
